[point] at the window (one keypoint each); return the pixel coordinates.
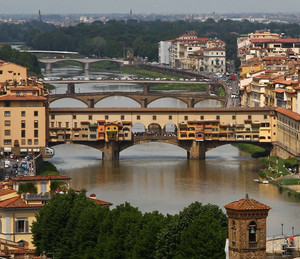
(265, 117)
(7, 123)
(36, 124)
(90, 117)
(36, 142)
(138, 117)
(75, 124)
(154, 117)
(23, 113)
(23, 133)
(186, 118)
(122, 117)
(52, 117)
(249, 117)
(7, 104)
(52, 124)
(233, 117)
(7, 132)
(29, 141)
(7, 141)
(59, 124)
(252, 232)
(6, 113)
(21, 225)
(106, 117)
(170, 117)
(1, 72)
(67, 124)
(23, 142)
(74, 117)
(201, 117)
(36, 113)
(23, 124)
(36, 133)
(217, 117)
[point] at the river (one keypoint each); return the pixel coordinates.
(157, 176)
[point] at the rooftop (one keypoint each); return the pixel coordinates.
(247, 204)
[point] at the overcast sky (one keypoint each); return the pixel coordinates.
(147, 6)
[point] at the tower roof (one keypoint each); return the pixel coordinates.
(246, 204)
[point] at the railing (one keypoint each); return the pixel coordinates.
(36, 196)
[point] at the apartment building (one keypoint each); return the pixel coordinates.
(193, 53)
(23, 116)
(13, 74)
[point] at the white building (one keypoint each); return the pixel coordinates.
(164, 52)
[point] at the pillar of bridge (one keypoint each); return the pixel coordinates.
(86, 66)
(91, 103)
(146, 89)
(111, 151)
(144, 103)
(71, 88)
(48, 67)
(197, 150)
(191, 103)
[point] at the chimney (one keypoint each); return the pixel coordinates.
(93, 196)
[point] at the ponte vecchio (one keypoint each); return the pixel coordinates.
(196, 130)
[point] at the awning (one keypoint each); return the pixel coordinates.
(23, 150)
(36, 150)
(7, 149)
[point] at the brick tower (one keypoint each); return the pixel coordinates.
(247, 228)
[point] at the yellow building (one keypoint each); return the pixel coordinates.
(13, 74)
(24, 108)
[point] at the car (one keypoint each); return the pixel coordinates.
(11, 156)
(15, 165)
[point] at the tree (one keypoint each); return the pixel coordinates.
(27, 188)
(170, 238)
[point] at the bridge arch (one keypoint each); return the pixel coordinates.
(138, 129)
(164, 102)
(117, 101)
(72, 102)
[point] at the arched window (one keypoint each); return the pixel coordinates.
(252, 232)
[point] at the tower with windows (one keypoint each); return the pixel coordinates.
(247, 228)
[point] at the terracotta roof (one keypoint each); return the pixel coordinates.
(247, 204)
(22, 98)
(17, 202)
(279, 90)
(6, 191)
(275, 40)
(24, 88)
(41, 177)
(291, 114)
(100, 202)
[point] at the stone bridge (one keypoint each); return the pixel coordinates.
(142, 98)
(195, 150)
(48, 62)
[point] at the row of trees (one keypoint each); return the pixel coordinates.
(7, 53)
(73, 226)
(113, 38)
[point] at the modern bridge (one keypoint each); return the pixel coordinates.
(196, 130)
(86, 62)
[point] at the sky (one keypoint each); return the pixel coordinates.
(147, 6)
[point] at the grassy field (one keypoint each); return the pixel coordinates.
(186, 87)
(255, 151)
(144, 73)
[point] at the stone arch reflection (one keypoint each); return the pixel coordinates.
(117, 102)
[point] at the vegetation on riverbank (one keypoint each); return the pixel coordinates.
(108, 65)
(255, 151)
(47, 168)
(178, 86)
(133, 70)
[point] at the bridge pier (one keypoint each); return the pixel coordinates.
(144, 102)
(71, 88)
(197, 151)
(191, 103)
(146, 89)
(86, 67)
(48, 68)
(111, 151)
(91, 103)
